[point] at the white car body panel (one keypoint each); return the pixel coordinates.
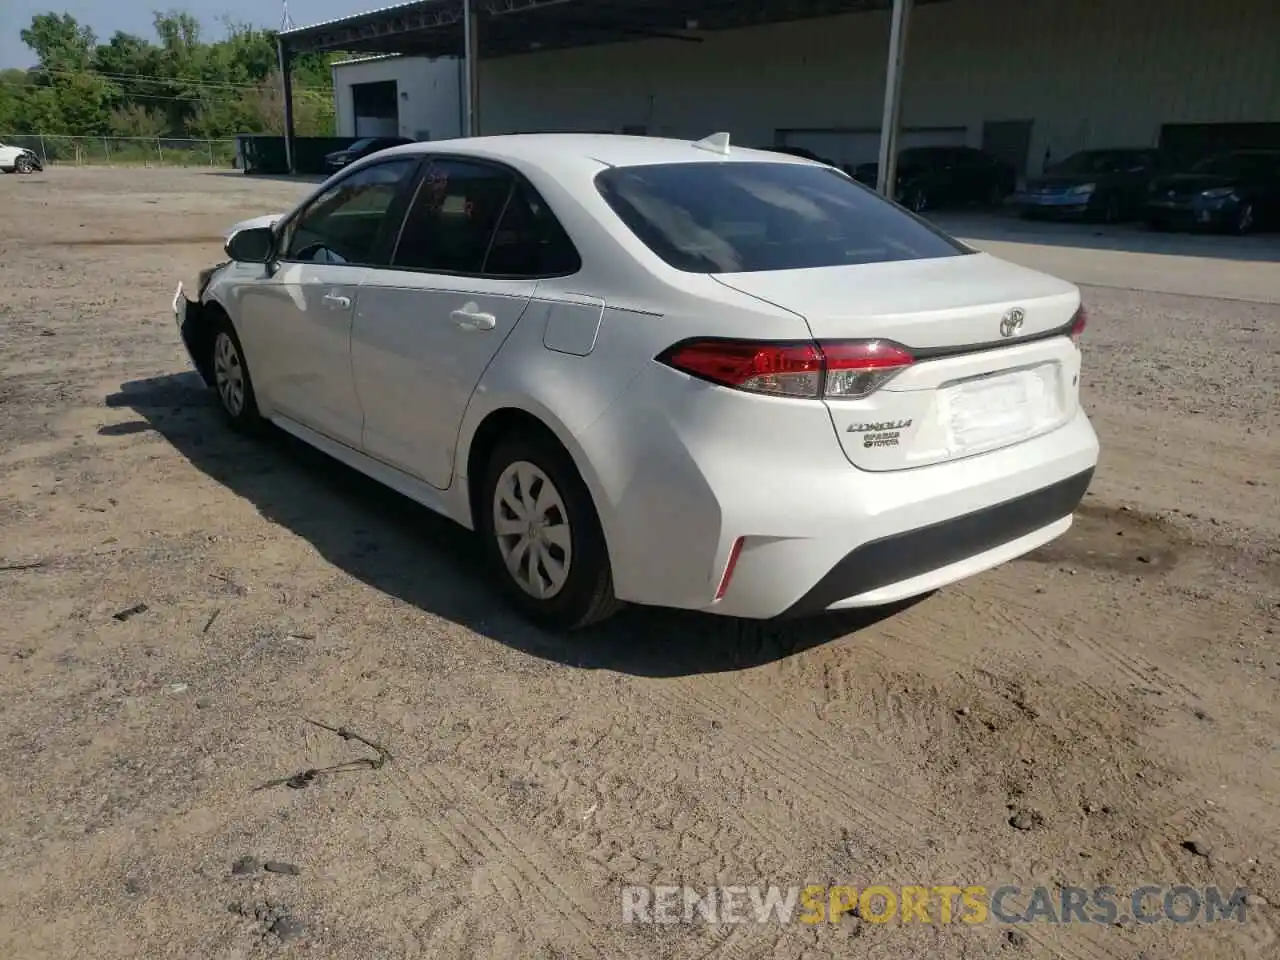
(390, 372)
(420, 345)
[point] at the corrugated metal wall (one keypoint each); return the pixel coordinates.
(1089, 72)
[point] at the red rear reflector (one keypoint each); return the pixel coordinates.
(1078, 323)
(836, 369)
(734, 551)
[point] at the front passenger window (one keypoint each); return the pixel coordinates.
(347, 223)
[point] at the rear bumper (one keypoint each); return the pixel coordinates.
(917, 561)
(684, 470)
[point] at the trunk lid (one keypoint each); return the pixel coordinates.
(973, 387)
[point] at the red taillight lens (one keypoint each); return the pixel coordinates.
(835, 370)
(782, 369)
(1078, 323)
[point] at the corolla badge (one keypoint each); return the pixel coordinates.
(1011, 322)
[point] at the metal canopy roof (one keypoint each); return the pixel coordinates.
(435, 27)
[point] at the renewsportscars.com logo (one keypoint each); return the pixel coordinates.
(878, 903)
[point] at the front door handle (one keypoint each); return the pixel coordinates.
(336, 301)
(473, 319)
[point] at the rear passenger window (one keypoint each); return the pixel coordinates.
(529, 241)
(453, 217)
(473, 218)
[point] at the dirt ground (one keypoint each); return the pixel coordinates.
(1116, 693)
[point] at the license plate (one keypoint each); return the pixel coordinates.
(989, 411)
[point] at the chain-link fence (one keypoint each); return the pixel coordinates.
(125, 151)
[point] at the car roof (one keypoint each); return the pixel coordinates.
(548, 150)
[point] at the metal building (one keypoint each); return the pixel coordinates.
(1025, 79)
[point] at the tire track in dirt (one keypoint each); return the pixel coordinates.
(785, 759)
(521, 864)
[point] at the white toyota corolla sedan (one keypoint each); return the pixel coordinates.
(660, 371)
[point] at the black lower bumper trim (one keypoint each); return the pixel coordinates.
(910, 554)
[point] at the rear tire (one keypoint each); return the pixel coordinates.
(542, 537)
(231, 380)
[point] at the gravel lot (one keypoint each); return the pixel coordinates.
(1116, 693)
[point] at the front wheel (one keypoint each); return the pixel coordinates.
(24, 165)
(231, 380)
(917, 200)
(542, 536)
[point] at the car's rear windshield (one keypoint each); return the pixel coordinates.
(743, 217)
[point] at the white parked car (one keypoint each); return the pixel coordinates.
(659, 371)
(18, 160)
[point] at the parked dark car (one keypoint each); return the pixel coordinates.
(802, 152)
(932, 177)
(1238, 191)
(361, 149)
(1106, 184)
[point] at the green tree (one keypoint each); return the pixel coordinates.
(59, 42)
(177, 85)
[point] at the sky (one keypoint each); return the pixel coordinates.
(134, 16)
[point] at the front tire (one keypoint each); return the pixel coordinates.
(542, 536)
(231, 380)
(23, 165)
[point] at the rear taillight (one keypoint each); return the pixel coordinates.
(1078, 323)
(858, 368)
(833, 370)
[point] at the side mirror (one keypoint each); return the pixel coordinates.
(253, 245)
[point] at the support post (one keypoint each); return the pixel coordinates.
(286, 85)
(887, 174)
(470, 68)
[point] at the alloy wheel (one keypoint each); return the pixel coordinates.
(228, 374)
(531, 526)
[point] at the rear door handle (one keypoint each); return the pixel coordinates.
(473, 319)
(336, 301)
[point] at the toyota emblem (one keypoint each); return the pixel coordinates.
(1011, 322)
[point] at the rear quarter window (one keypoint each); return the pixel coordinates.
(747, 217)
